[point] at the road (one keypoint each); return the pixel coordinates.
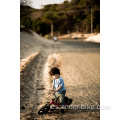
(79, 63)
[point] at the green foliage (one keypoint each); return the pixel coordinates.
(26, 21)
(78, 17)
(65, 2)
(40, 27)
(36, 25)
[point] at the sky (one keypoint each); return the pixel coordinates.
(38, 3)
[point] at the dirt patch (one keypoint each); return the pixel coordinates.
(94, 38)
(32, 87)
(81, 74)
(27, 62)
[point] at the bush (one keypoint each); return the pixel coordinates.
(26, 21)
(47, 36)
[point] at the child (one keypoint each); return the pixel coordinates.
(58, 84)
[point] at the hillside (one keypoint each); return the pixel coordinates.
(31, 44)
(73, 16)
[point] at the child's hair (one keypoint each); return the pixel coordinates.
(54, 71)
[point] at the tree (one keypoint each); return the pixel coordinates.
(25, 2)
(63, 21)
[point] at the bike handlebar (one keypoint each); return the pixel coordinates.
(53, 93)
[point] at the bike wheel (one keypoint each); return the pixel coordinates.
(62, 110)
(43, 110)
(69, 101)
